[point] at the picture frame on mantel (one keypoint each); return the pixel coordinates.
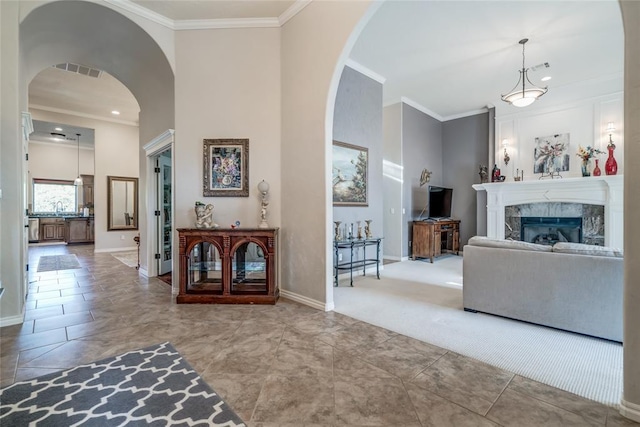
(226, 168)
(350, 174)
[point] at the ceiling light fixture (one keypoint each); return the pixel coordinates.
(115, 112)
(59, 129)
(78, 180)
(520, 95)
(545, 78)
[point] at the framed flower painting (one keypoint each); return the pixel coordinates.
(226, 167)
(551, 154)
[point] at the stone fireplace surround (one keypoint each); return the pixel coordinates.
(606, 191)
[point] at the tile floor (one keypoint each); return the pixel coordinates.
(282, 365)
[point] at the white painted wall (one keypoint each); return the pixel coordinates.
(116, 154)
(228, 86)
(585, 121)
(55, 161)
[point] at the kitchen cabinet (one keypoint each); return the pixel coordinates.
(87, 192)
(80, 230)
(52, 229)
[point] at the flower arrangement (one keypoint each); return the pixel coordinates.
(588, 153)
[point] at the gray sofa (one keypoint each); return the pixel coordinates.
(573, 287)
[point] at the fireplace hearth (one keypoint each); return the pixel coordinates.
(550, 230)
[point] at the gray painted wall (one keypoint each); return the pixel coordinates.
(357, 120)
(392, 181)
(464, 147)
(421, 148)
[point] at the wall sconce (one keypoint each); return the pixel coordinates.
(505, 144)
(610, 129)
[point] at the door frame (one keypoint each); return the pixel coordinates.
(162, 142)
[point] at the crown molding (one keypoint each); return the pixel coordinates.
(466, 114)
(293, 10)
(142, 11)
(364, 70)
(80, 114)
(421, 108)
(208, 24)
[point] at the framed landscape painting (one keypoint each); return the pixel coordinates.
(349, 174)
(226, 167)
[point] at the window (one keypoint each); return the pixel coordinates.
(52, 196)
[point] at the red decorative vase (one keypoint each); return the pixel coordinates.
(611, 166)
(596, 170)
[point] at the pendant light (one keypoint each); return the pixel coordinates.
(78, 180)
(521, 95)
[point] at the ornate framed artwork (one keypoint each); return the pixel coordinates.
(226, 167)
(349, 174)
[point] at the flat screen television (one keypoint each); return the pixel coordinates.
(440, 202)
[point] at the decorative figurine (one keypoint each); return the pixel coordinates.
(263, 187)
(204, 216)
(367, 228)
(484, 174)
(425, 176)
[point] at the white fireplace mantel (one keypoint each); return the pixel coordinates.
(602, 190)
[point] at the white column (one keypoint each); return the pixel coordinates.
(630, 404)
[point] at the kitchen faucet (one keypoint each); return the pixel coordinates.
(59, 206)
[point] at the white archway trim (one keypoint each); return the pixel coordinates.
(157, 145)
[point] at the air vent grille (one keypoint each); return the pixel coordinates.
(79, 69)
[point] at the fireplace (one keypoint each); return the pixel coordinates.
(550, 230)
(501, 206)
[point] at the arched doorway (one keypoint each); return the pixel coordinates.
(93, 35)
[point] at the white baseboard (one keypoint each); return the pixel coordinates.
(105, 250)
(392, 258)
(144, 272)
(305, 300)
(12, 320)
(404, 258)
(630, 410)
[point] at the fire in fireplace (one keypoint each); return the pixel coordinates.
(550, 230)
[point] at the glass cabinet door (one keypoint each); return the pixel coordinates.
(204, 269)
(249, 269)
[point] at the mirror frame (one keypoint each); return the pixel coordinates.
(110, 181)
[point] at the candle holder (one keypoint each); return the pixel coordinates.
(359, 230)
(263, 188)
(337, 235)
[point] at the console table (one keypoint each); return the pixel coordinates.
(352, 264)
(432, 238)
(228, 266)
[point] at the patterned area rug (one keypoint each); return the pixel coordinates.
(58, 262)
(153, 386)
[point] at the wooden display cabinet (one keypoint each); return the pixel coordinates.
(432, 238)
(228, 266)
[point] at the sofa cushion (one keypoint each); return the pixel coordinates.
(583, 249)
(507, 244)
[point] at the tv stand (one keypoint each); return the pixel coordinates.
(433, 237)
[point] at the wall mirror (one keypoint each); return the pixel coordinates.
(122, 197)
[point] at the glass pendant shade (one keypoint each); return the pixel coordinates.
(522, 95)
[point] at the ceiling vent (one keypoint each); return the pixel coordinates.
(540, 66)
(79, 69)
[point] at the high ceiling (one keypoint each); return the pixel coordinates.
(451, 57)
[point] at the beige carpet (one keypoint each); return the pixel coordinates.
(58, 262)
(129, 258)
(424, 301)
